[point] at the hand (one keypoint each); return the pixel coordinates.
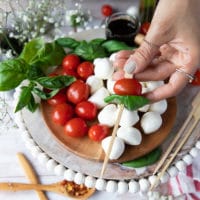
(172, 42)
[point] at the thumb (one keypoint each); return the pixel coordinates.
(141, 58)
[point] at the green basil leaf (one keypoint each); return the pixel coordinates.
(32, 105)
(114, 46)
(56, 82)
(41, 54)
(34, 72)
(43, 95)
(97, 41)
(12, 73)
(24, 98)
(67, 42)
(146, 160)
(90, 51)
(130, 102)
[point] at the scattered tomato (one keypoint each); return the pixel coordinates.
(76, 127)
(145, 27)
(85, 69)
(78, 91)
(196, 80)
(86, 110)
(62, 113)
(98, 132)
(127, 86)
(59, 98)
(106, 10)
(70, 62)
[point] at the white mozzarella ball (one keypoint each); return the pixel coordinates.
(110, 85)
(107, 115)
(112, 57)
(160, 106)
(122, 187)
(111, 186)
(129, 118)
(144, 108)
(95, 83)
(103, 68)
(151, 122)
(99, 96)
(100, 184)
(151, 85)
(130, 135)
(117, 148)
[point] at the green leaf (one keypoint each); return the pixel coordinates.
(97, 41)
(43, 95)
(12, 73)
(34, 72)
(67, 42)
(32, 105)
(114, 46)
(90, 51)
(130, 102)
(56, 82)
(146, 160)
(25, 97)
(41, 54)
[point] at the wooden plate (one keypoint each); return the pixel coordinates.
(89, 149)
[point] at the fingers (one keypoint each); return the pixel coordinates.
(176, 83)
(142, 57)
(157, 72)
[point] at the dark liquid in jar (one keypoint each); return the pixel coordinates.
(122, 30)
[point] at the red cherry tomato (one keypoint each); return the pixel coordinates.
(76, 127)
(98, 132)
(196, 80)
(106, 10)
(62, 113)
(85, 69)
(145, 27)
(78, 91)
(70, 62)
(127, 86)
(59, 98)
(86, 110)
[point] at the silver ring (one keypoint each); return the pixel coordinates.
(189, 76)
(151, 44)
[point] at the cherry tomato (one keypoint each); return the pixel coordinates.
(59, 98)
(106, 10)
(85, 69)
(69, 72)
(62, 113)
(98, 132)
(78, 91)
(76, 127)
(145, 27)
(70, 62)
(127, 86)
(86, 110)
(196, 80)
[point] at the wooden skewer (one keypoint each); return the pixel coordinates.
(196, 117)
(175, 140)
(121, 108)
(30, 174)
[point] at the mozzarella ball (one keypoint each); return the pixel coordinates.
(129, 118)
(103, 68)
(95, 83)
(98, 97)
(160, 106)
(130, 135)
(110, 85)
(144, 108)
(151, 122)
(107, 115)
(117, 148)
(112, 57)
(151, 85)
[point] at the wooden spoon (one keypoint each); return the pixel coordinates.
(66, 188)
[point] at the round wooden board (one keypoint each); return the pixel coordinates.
(89, 149)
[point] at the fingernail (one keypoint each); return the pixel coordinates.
(130, 67)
